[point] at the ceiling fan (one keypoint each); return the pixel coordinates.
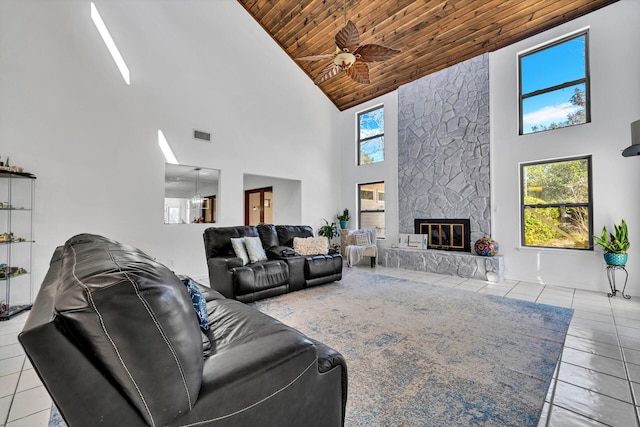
(350, 56)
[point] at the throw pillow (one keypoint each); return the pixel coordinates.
(362, 239)
(199, 303)
(311, 245)
(240, 250)
(254, 249)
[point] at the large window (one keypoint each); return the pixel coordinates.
(371, 207)
(554, 85)
(371, 136)
(556, 203)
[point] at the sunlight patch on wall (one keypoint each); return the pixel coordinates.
(166, 149)
(106, 37)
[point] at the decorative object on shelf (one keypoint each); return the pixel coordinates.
(486, 246)
(412, 241)
(6, 271)
(344, 219)
(615, 246)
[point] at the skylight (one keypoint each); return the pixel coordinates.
(106, 37)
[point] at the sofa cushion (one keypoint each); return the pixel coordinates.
(268, 235)
(260, 276)
(311, 245)
(217, 240)
(199, 302)
(240, 249)
(254, 249)
(361, 239)
(286, 233)
(320, 266)
(137, 320)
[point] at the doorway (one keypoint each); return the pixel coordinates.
(258, 206)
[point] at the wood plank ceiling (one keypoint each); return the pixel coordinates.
(432, 34)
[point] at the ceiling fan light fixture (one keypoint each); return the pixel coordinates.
(344, 59)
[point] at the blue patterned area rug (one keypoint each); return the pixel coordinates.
(426, 355)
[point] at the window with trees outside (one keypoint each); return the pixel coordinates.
(371, 136)
(371, 207)
(554, 85)
(556, 203)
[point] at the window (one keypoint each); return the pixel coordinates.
(556, 203)
(554, 85)
(371, 207)
(371, 136)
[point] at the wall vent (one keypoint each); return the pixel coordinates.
(203, 136)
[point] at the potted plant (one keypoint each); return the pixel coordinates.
(344, 219)
(328, 230)
(615, 246)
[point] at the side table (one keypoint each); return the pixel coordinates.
(611, 275)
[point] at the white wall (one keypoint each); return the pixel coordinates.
(615, 93)
(386, 171)
(67, 116)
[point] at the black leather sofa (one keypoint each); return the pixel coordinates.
(282, 272)
(116, 341)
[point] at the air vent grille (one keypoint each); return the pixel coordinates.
(201, 135)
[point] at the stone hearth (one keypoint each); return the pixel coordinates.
(443, 262)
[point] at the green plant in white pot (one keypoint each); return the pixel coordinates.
(615, 246)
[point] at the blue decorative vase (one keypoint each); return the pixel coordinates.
(615, 259)
(486, 247)
(344, 224)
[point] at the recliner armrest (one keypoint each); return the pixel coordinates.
(280, 252)
(220, 274)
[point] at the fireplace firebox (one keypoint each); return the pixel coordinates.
(445, 234)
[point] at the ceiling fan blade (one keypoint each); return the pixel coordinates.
(359, 72)
(375, 52)
(314, 57)
(327, 72)
(348, 37)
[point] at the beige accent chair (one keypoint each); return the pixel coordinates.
(360, 244)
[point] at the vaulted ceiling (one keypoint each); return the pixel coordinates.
(431, 34)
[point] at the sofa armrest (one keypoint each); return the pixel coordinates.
(221, 276)
(329, 359)
(282, 367)
(280, 252)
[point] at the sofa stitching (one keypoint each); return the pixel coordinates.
(115, 347)
(162, 334)
(222, 417)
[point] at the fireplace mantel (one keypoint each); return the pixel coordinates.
(462, 264)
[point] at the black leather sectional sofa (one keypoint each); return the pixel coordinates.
(116, 341)
(283, 271)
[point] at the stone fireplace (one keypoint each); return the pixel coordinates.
(445, 234)
(443, 171)
(443, 148)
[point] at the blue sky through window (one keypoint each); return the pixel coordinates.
(371, 124)
(552, 66)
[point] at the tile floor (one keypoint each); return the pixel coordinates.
(597, 382)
